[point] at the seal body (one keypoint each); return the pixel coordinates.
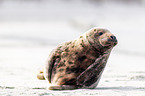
(79, 63)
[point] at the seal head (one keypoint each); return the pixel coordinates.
(101, 39)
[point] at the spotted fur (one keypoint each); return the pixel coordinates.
(79, 63)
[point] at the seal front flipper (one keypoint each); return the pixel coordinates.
(91, 80)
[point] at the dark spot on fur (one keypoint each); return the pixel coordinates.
(91, 44)
(61, 65)
(64, 61)
(94, 29)
(57, 56)
(68, 70)
(82, 58)
(70, 62)
(68, 43)
(54, 57)
(76, 53)
(60, 70)
(54, 71)
(66, 50)
(59, 46)
(70, 82)
(82, 45)
(72, 70)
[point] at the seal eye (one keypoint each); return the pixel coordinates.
(100, 33)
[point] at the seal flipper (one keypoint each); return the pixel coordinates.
(91, 80)
(40, 75)
(50, 65)
(63, 87)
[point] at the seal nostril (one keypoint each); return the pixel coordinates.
(112, 37)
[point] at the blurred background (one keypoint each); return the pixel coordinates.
(30, 29)
(49, 22)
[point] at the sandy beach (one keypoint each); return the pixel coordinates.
(123, 75)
